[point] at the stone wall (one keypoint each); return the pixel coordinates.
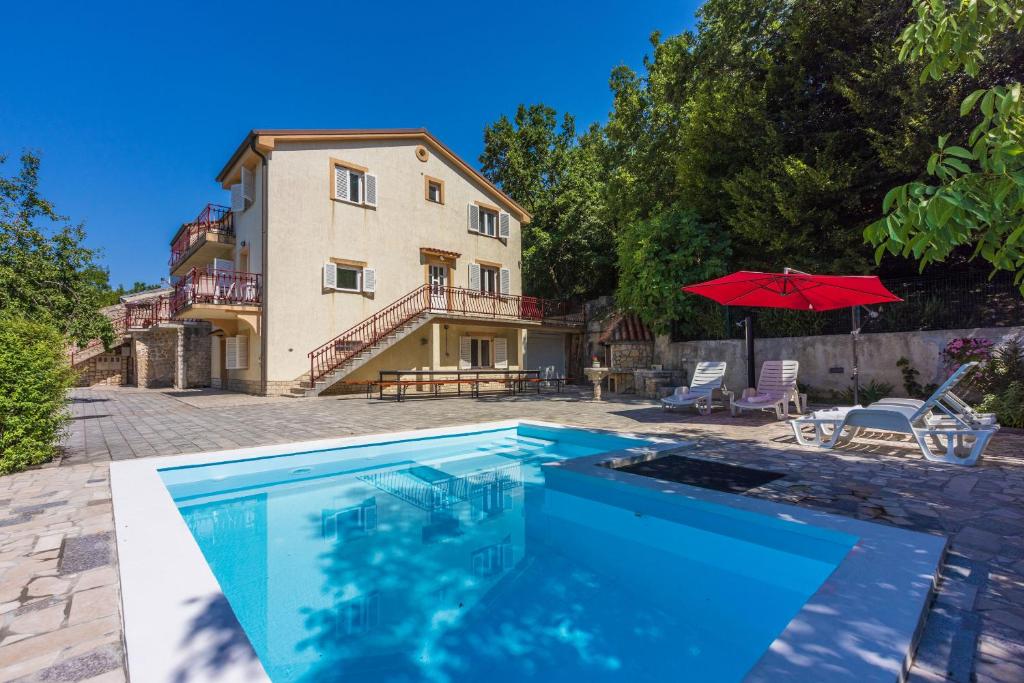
(173, 355)
(156, 357)
(631, 355)
(826, 361)
(103, 369)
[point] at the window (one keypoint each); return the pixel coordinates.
(434, 190)
(348, 279)
(353, 184)
(489, 280)
(480, 353)
(488, 222)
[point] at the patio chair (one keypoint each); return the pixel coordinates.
(776, 389)
(707, 379)
(945, 427)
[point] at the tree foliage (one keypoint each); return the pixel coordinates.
(558, 177)
(973, 193)
(46, 272)
(656, 254)
(781, 125)
(34, 379)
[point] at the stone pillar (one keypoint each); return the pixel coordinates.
(156, 354)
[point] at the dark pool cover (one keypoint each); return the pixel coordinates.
(710, 475)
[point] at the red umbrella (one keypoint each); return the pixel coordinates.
(796, 290)
(793, 289)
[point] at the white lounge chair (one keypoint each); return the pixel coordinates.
(707, 379)
(776, 389)
(946, 428)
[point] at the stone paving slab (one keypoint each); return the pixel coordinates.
(59, 594)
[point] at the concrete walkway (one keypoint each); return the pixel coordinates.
(59, 606)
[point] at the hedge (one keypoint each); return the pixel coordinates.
(34, 380)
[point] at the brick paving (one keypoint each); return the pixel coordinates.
(59, 599)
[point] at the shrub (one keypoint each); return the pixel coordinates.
(964, 350)
(1007, 405)
(34, 379)
(1002, 382)
(869, 393)
(913, 387)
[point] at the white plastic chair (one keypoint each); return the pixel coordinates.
(945, 427)
(707, 379)
(776, 389)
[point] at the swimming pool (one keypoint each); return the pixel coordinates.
(496, 554)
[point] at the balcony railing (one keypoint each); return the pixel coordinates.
(212, 219)
(211, 286)
(433, 299)
(145, 314)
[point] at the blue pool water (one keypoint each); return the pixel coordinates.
(458, 559)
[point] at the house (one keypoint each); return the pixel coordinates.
(348, 252)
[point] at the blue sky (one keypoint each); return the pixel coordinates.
(136, 106)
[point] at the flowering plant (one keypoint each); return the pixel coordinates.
(964, 350)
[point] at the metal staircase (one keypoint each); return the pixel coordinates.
(353, 348)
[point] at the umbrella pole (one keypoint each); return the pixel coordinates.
(748, 335)
(854, 333)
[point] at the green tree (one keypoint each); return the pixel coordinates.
(658, 254)
(973, 193)
(568, 250)
(34, 379)
(46, 273)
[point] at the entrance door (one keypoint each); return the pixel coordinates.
(438, 280)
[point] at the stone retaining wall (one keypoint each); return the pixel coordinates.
(104, 369)
(826, 361)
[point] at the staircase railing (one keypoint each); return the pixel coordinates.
(431, 299)
(346, 345)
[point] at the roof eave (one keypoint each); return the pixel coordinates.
(265, 138)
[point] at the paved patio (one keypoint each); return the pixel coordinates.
(59, 606)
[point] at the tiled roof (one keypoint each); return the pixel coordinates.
(433, 251)
(626, 328)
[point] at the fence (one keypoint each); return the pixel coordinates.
(955, 301)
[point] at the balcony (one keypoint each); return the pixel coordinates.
(145, 314)
(210, 294)
(210, 235)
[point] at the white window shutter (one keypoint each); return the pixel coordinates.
(237, 199)
(503, 225)
(248, 190)
(242, 351)
(465, 353)
(504, 281)
(474, 218)
(371, 190)
(500, 352)
(474, 276)
(340, 183)
(231, 353)
(224, 265)
(369, 280)
(330, 276)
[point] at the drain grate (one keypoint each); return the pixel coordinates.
(704, 473)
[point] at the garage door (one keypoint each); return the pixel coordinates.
(546, 352)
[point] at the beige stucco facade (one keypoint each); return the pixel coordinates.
(288, 235)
